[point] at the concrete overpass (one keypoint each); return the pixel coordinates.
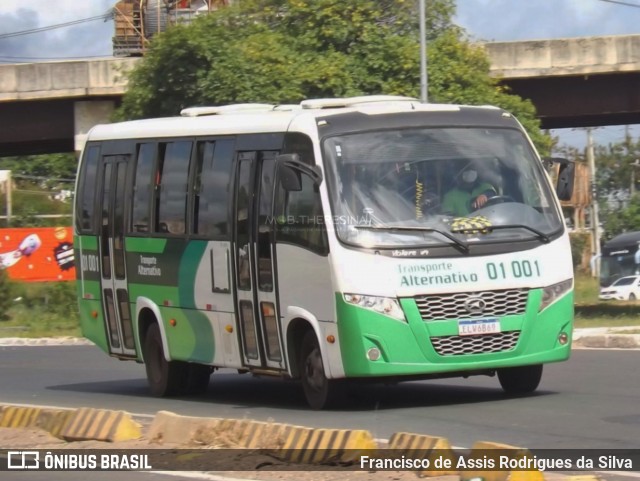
(575, 82)
(49, 107)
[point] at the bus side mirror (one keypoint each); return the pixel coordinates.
(566, 178)
(290, 168)
(290, 178)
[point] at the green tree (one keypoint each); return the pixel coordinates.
(283, 51)
(36, 180)
(48, 166)
(617, 168)
(625, 220)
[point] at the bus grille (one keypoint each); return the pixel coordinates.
(459, 345)
(442, 307)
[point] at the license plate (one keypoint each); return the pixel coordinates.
(478, 327)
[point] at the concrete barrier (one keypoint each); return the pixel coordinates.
(485, 449)
(297, 444)
(51, 420)
(100, 425)
(425, 447)
(73, 424)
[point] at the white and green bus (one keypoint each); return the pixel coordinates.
(370, 238)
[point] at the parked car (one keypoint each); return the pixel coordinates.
(625, 288)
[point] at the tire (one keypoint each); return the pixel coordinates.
(632, 297)
(319, 391)
(197, 379)
(165, 378)
(520, 380)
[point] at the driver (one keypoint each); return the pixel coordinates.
(468, 194)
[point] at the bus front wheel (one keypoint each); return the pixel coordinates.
(319, 391)
(520, 380)
(165, 377)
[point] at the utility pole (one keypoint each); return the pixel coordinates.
(423, 53)
(5, 182)
(595, 220)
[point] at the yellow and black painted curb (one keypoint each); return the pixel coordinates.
(425, 447)
(297, 444)
(73, 424)
(100, 425)
(51, 420)
(516, 453)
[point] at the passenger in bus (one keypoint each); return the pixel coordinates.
(468, 194)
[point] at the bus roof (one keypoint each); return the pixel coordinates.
(626, 239)
(266, 118)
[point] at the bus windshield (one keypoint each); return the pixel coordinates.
(434, 186)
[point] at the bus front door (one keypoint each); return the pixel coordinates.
(257, 308)
(115, 296)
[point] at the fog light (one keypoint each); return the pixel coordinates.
(373, 354)
(563, 338)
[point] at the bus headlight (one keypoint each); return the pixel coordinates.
(383, 305)
(551, 293)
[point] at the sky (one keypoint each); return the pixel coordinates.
(483, 20)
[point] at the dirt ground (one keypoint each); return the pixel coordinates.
(250, 466)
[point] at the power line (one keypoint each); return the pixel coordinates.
(626, 4)
(56, 26)
(9, 58)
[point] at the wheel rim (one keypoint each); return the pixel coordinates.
(314, 372)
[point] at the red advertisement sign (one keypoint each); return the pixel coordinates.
(37, 254)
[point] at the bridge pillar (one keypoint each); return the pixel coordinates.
(88, 113)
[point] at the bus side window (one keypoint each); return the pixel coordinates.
(300, 218)
(299, 214)
(211, 189)
(172, 192)
(142, 188)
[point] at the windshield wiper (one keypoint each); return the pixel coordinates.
(462, 245)
(475, 230)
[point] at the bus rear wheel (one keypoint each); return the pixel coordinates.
(520, 380)
(318, 390)
(165, 378)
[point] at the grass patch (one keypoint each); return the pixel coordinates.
(47, 309)
(586, 289)
(601, 321)
(39, 324)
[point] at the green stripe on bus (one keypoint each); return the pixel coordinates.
(146, 245)
(86, 242)
(204, 339)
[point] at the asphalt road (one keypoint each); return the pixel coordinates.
(591, 401)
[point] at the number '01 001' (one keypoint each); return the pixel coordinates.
(516, 269)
